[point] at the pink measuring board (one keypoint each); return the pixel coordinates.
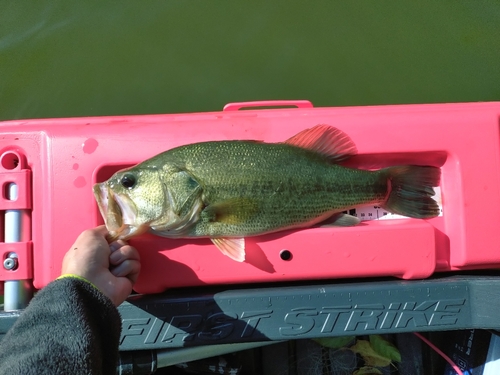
(55, 162)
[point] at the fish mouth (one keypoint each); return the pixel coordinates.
(118, 212)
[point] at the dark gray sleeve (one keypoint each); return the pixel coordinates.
(68, 328)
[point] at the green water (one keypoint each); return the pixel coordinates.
(69, 58)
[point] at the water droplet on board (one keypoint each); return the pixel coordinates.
(75, 166)
(90, 145)
(80, 182)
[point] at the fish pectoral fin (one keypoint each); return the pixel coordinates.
(231, 211)
(340, 220)
(234, 248)
(326, 140)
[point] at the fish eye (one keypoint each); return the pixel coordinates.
(128, 181)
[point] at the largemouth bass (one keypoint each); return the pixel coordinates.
(229, 190)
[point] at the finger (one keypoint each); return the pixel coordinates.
(117, 245)
(101, 230)
(134, 273)
(92, 235)
(129, 269)
(123, 253)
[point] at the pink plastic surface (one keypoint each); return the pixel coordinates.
(66, 156)
(13, 170)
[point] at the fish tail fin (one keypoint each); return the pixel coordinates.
(411, 189)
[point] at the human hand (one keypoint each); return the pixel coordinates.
(112, 268)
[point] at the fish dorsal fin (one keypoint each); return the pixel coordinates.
(234, 248)
(326, 140)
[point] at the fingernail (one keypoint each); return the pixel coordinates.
(114, 246)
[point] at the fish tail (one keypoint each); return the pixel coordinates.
(411, 189)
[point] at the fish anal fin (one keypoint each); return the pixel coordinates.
(231, 211)
(340, 220)
(326, 140)
(234, 248)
